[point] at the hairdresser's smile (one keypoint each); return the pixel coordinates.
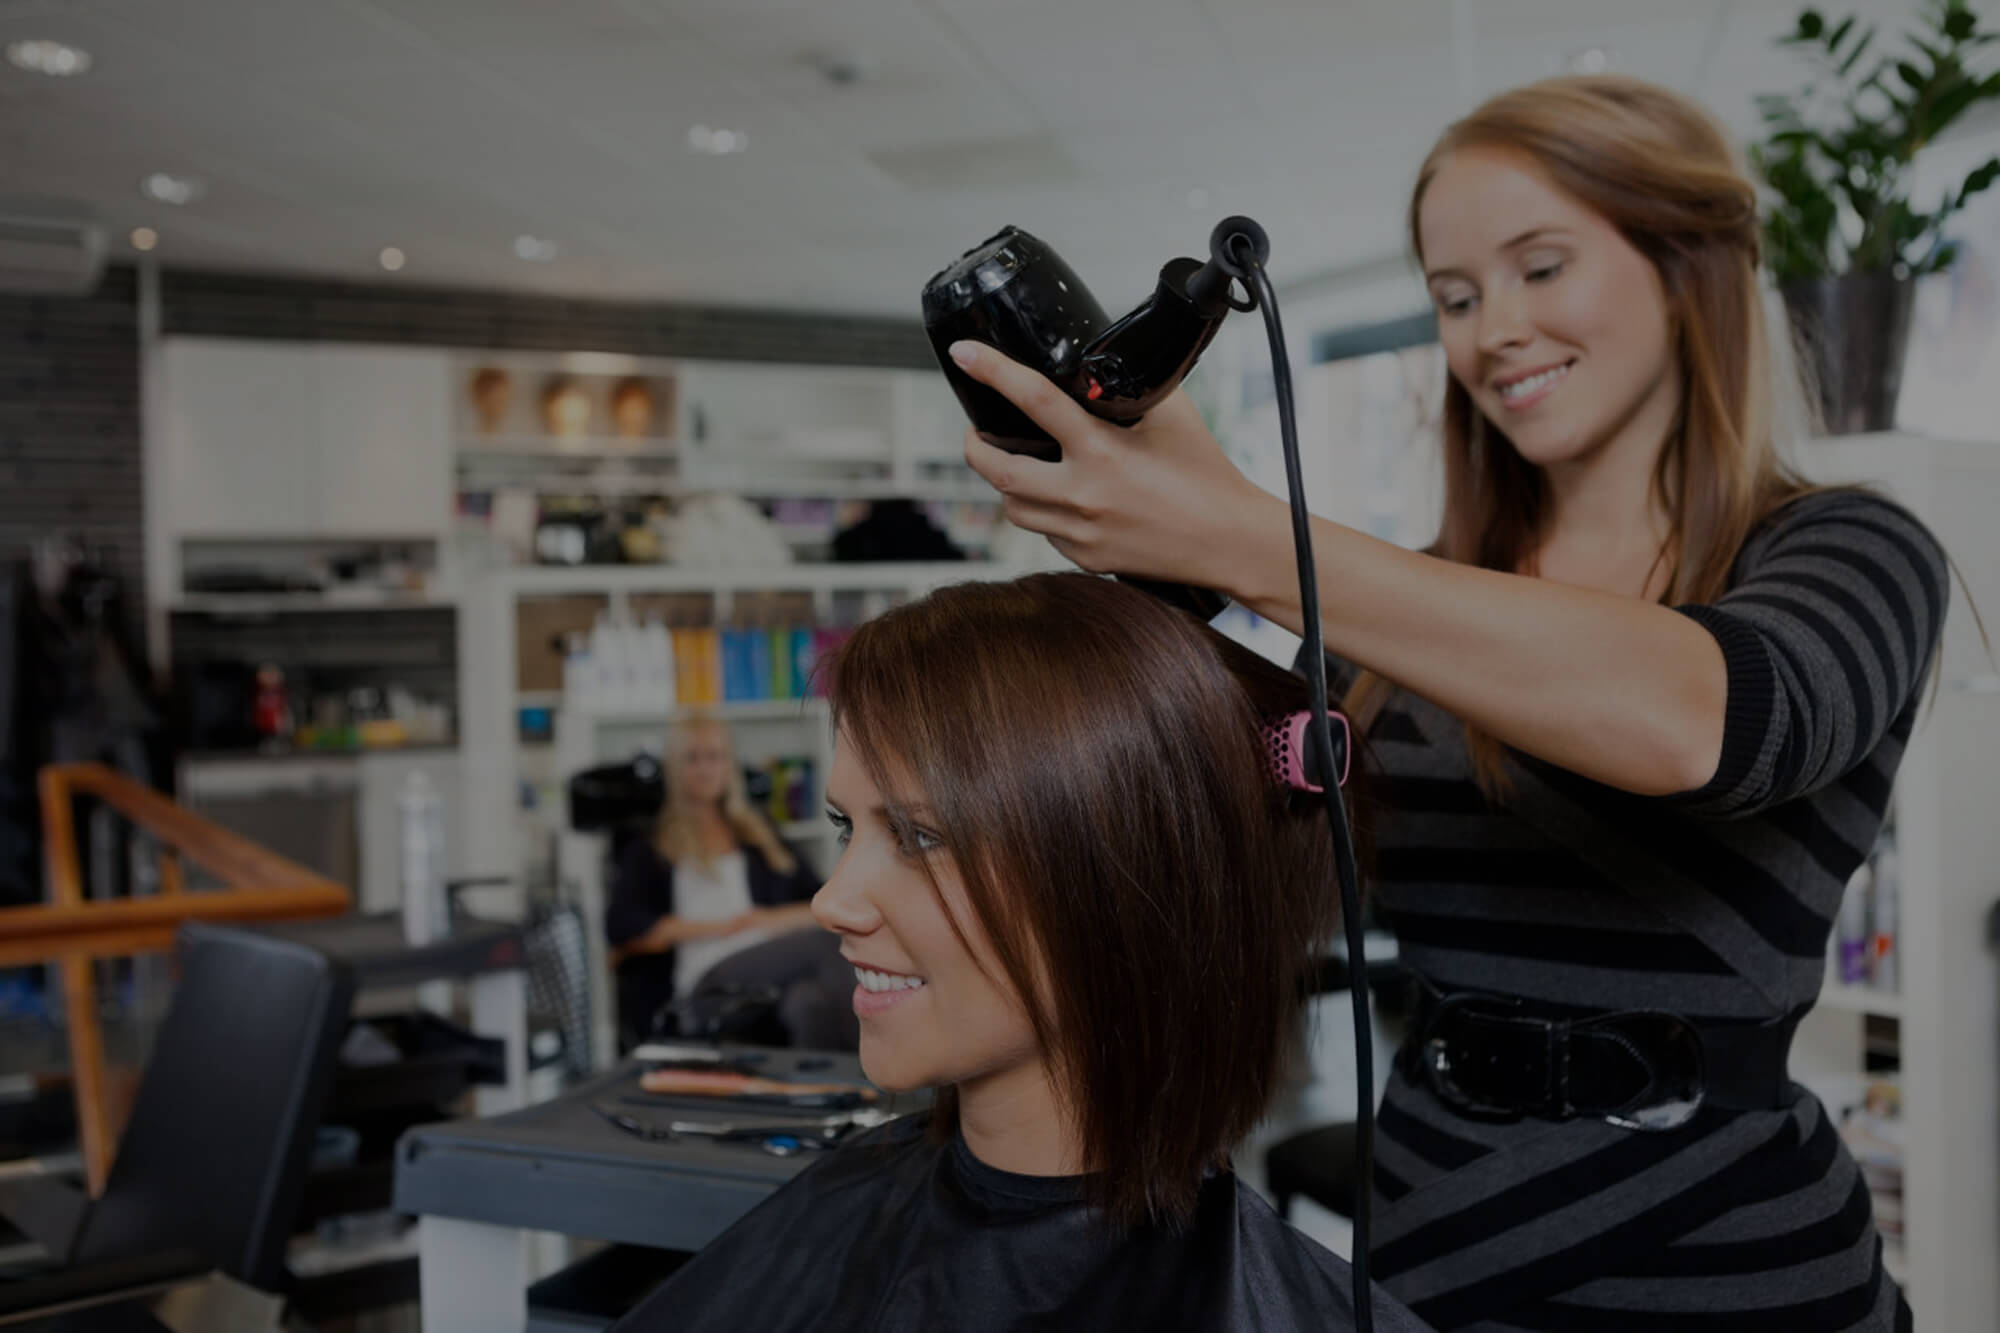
(1521, 390)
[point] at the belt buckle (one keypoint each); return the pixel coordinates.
(1435, 1056)
(1675, 1093)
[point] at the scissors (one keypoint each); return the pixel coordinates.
(779, 1140)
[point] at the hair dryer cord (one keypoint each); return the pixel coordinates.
(1251, 273)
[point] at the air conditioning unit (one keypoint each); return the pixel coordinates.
(49, 250)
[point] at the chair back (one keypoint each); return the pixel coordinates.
(220, 1141)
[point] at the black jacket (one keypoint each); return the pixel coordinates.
(642, 891)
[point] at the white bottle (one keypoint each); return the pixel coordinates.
(602, 680)
(631, 666)
(426, 911)
(658, 681)
(578, 671)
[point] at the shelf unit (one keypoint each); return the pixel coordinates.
(765, 432)
(1948, 846)
(1864, 1000)
(500, 836)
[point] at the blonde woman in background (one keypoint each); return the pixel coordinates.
(716, 902)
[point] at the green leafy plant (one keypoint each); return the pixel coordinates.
(1837, 154)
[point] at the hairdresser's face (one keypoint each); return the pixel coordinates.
(1552, 321)
(701, 772)
(932, 1011)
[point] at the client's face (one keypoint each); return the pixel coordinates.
(932, 1011)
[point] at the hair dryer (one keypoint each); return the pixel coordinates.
(1015, 293)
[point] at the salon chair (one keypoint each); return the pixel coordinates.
(214, 1158)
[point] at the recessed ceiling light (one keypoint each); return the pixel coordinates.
(171, 189)
(1197, 198)
(391, 258)
(717, 143)
(58, 60)
(144, 238)
(534, 249)
(1590, 60)
(838, 67)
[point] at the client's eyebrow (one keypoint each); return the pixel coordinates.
(889, 812)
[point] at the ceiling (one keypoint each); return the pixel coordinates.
(327, 129)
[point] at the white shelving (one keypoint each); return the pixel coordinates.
(1948, 845)
(1861, 1000)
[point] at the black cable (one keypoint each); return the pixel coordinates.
(1321, 739)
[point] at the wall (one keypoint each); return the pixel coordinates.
(230, 305)
(69, 423)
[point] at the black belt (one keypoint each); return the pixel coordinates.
(1495, 1055)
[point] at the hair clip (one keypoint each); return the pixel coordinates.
(1292, 759)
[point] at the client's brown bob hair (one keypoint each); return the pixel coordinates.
(1091, 760)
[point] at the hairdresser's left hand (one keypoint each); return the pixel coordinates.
(1159, 500)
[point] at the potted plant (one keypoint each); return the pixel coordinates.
(1841, 235)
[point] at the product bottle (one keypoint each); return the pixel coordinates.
(273, 709)
(1851, 928)
(780, 650)
(659, 659)
(426, 912)
(801, 662)
(601, 679)
(632, 695)
(732, 658)
(686, 674)
(711, 666)
(757, 664)
(1884, 970)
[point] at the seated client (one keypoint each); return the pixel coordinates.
(1080, 907)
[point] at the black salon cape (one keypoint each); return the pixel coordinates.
(895, 1234)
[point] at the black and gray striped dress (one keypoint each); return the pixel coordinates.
(1716, 904)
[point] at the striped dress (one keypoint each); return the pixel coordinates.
(1716, 904)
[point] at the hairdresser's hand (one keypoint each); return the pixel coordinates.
(1160, 500)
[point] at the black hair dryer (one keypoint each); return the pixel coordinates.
(1014, 293)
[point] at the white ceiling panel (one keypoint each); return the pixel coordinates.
(326, 129)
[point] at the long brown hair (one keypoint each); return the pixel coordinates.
(678, 834)
(1659, 168)
(1091, 759)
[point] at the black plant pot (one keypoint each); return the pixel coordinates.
(1854, 331)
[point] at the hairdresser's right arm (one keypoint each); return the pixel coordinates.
(639, 919)
(1623, 691)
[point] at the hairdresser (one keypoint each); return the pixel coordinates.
(715, 910)
(1632, 721)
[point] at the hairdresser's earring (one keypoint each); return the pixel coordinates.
(1294, 762)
